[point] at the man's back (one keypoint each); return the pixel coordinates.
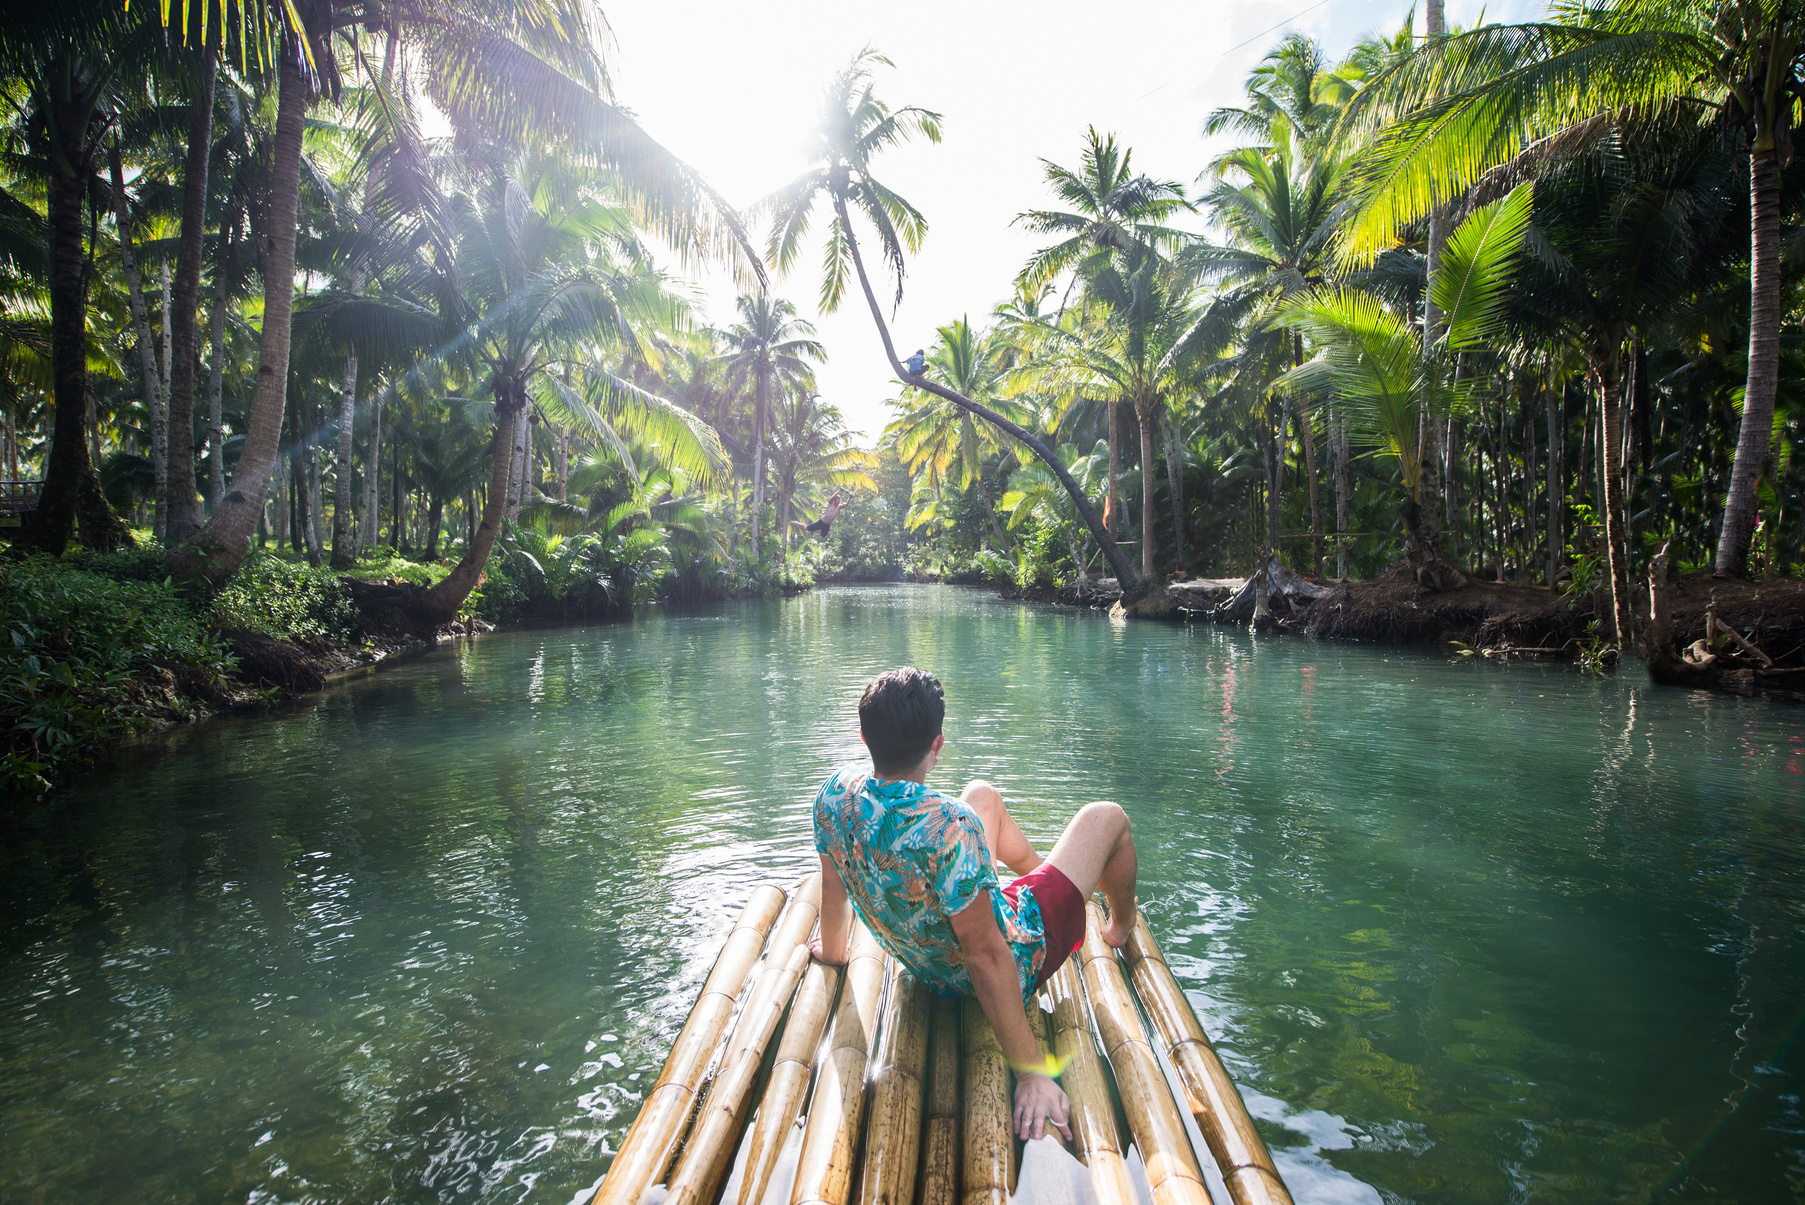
(911, 858)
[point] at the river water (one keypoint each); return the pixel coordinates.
(1463, 932)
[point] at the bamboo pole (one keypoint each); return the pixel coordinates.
(652, 1140)
(1221, 1115)
(1093, 1115)
(1153, 1118)
(989, 1163)
(830, 1140)
(797, 1055)
(893, 1131)
(708, 1154)
(940, 1142)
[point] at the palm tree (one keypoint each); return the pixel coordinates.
(510, 74)
(542, 290)
(1110, 212)
(1538, 94)
(1140, 350)
(1370, 358)
(1280, 216)
(769, 353)
(857, 125)
(815, 453)
(941, 439)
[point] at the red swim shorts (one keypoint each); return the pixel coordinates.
(1061, 914)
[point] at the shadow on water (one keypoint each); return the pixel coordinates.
(1464, 932)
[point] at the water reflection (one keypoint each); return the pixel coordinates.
(1466, 933)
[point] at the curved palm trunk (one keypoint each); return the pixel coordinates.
(441, 603)
(184, 502)
(1145, 414)
(218, 549)
(1111, 550)
(1756, 434)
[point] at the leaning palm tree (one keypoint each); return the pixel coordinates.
(855, 126)
(1524, 98)
(942, 440)
(540, 289)
(769, 354)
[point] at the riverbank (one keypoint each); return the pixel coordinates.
(1721, 633)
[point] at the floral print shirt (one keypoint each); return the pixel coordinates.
(911, 858)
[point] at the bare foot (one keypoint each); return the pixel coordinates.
(1120, 927)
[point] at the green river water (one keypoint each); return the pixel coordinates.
(1463, 932)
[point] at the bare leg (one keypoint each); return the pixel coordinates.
(1096, 852)
(1008, 844)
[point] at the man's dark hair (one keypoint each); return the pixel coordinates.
(900, 714)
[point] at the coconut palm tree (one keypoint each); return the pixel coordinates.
(1526, 98)
(520, 74)
(1369, 357)
(768, 356)
(855, 126)
(815, 453)
(544, 287)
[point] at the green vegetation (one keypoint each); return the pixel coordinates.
(1508, 297)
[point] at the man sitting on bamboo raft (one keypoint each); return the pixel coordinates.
(919, 869)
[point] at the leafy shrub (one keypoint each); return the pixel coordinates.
(74, 660)
(389, 567)
(284, 600)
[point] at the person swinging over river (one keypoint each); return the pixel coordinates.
(918, 867)
(828, 515)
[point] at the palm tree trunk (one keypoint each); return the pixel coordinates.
(315, 546)
(441, 603)
(147, 351)
(1004, 543)
(1112, 551)
(1113, 511)
(1764, 365)
(1145, 415)
(1344, 488)
(184, 505)
(159, 426)
(51, 525)
(1175, 487)
(224, 542)
(1610, 447)
(1308, 433)
(1557, 439)
(344, 553)
(434, 516)
(1275, 481)
(369, 531)
(758, 456)
(216, 372)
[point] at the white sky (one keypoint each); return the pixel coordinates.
(734, 89)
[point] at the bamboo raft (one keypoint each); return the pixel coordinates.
(911, 1094)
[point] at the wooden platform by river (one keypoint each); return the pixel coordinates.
(910, 1100)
